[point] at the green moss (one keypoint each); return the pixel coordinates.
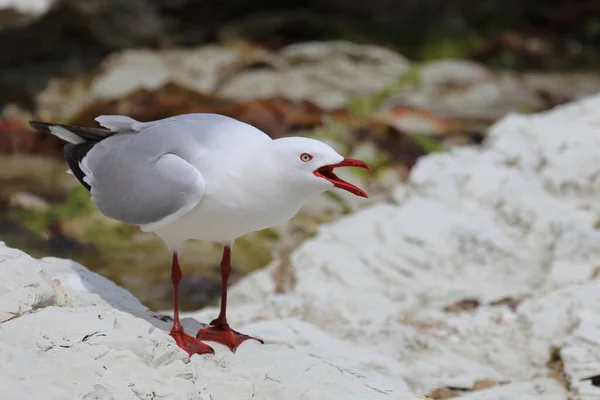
(268, 234)
(507, 60)
(381, 160)
(592, 28)
(336, 198)
(445, 46)
(331, 131)
(255, 252)
(361, 173)
(77, 204)
(428, 143)
(367, 105)
(35, 221)
(411, 78)
(363, 106)
(65, 119)
(114, 236)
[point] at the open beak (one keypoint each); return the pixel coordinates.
(326, 172)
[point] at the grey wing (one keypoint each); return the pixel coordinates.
(141, 188)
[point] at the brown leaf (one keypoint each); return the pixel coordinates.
(462, 306)
(417, 120)
(556, 366)
(401, 148)
(511, 302)
(485, 384)
(443, 393)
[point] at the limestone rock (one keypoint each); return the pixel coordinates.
(67, 332)
(467, 90)
(328, 73)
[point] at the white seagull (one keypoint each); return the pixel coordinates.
(198, 176)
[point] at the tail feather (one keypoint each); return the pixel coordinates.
(65, 135)
(79, 142)
(72, 134)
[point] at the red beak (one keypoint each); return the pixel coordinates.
(326, 172)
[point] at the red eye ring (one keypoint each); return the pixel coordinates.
(305, 157)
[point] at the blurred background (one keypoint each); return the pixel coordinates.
(387, 81)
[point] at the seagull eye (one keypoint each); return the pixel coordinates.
(305, 157)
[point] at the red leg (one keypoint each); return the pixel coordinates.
(219, 331)
(183, 340)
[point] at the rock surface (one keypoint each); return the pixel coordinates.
(68, 333)
(479, 279)
(467, 90)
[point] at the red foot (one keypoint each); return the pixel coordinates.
(190, 344)
(225, 335)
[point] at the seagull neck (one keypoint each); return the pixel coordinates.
(267, 166)
(274, 176)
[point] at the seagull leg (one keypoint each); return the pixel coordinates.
(186, 342)
(219, 331)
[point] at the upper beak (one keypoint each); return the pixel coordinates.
(326, 172)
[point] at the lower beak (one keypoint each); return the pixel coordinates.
(326, 172)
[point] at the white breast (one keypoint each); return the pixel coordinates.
(223, 221)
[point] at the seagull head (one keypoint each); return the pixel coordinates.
(310, 163)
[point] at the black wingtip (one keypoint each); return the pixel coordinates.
(87, 134)
(67, 149)
(40, 126)
(74, 153)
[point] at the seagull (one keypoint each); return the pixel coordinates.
(198, 176)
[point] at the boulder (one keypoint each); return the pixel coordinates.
(466, 90)
(66, 332)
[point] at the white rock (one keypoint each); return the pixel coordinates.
(66, 332)
(329, 73)
(198, 69)
(480, 99)
(452, 72)
(465, 89)
(575, 85)
(28, 201)
(22, 289)
(309, 52)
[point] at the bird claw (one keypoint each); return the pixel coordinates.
(190, 344)
(223, 334)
